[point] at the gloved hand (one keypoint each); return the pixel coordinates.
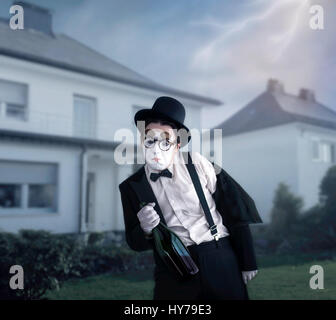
(249, 275)
(148, 218)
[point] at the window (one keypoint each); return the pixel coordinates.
(323, 151)
(13, 100)
(41, 195)
(10, 196)
(27, 187)
(327, 152)
(84, 116)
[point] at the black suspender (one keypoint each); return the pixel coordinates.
(200, 194)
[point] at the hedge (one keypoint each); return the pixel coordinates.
(50, 259)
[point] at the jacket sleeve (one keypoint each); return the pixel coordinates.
(135, 236)
(242, 243)
(238, 211)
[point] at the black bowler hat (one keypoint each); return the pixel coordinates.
(166, 108)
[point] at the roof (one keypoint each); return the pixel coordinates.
(64, 52)
(58, 139)
(275, 108)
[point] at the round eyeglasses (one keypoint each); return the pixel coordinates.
(164, 144)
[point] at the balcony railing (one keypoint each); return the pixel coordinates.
(57, 124)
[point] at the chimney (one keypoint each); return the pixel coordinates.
(274, 85)
(307, 94)
(36, 17)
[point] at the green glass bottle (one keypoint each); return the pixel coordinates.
(173, 252)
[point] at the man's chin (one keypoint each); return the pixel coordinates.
(156, 166)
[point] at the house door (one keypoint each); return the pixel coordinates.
(90, 201)
(84, 117)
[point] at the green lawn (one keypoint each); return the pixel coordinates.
(134, 285)
(292, 282)
(280, 282)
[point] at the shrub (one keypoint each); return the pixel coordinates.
(328, 196)
(50, 259)
(95, 238)
(47, 260)
(293, 231)
(286, 210)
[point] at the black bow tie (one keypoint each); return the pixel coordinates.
(165, 173)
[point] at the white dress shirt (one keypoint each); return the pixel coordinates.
(179, 202)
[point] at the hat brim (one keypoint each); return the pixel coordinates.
(143, 114)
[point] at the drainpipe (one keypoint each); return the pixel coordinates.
(82, 197)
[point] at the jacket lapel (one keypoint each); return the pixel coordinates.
(145, 193)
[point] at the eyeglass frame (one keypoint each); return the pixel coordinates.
(159, 140)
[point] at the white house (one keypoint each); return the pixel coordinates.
(61, 104)
(278, 137)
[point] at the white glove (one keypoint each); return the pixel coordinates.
(249, 275)
(148, 218)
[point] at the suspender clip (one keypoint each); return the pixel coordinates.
(216, 234)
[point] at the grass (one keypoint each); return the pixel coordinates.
(290, 282)
(134, 285)
(283, 282)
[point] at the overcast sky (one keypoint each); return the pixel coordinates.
(222, 49)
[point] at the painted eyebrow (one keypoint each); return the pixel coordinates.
(165, 132)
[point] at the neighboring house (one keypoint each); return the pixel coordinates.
(61, 104)
(279, 137)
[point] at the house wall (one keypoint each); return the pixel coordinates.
(311, 172)
(50, 106)
(66, 219)
(50, 100)
(260, 160)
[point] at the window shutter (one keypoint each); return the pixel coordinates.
(11, 92)
(84, 116)
(25, 172)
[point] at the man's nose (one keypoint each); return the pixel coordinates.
(156, 147)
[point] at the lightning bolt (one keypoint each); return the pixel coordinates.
(286, 38)
(228, 30)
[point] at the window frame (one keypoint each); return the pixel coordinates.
(322, 144)
(24, 208)
(95, 124)
(4, 104)
(317, 141)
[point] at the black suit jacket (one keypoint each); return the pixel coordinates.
(236, 207)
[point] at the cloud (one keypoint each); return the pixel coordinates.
(276, 41)
(225, 50)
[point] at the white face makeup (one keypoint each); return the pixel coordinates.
(155, 157)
